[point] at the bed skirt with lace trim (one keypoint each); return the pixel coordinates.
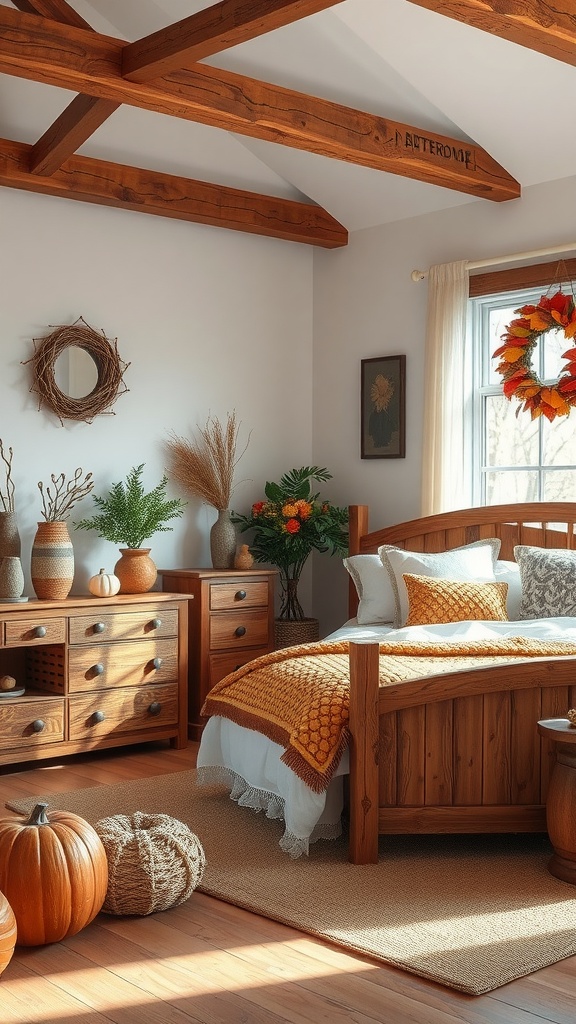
(272, 804)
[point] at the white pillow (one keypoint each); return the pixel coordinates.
(509, 572)
(377, 602)
(470, 562)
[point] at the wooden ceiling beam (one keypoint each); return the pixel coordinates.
(548, 28)
(75, 125)
(210, 31)
(57, 10)
(167, 195)
(82, 116)
(88, 62)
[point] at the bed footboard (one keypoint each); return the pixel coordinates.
(458, 752)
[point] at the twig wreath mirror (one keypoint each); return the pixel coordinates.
(77, 371)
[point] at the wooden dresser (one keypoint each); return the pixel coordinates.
(96, 672)
(231, 622)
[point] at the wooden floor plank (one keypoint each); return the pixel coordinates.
(210, 962)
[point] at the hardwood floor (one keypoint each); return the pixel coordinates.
(211, 962)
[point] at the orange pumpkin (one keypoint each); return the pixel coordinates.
(7, 932)
(53, 872)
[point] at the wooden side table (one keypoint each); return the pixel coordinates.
(231, 622)
(561, 799)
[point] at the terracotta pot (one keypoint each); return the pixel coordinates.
(52, 563)
(135, 570)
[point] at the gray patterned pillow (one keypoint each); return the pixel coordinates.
(548, 581)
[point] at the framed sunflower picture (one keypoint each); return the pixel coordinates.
(383, 407)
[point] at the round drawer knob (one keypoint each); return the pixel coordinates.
(98, 668)
(240, 631)
(98, 716)
(99, 627)
(39, 631)
(38, 725)
(240, 595)
(155, 708)
(157, 662)
(156, 623)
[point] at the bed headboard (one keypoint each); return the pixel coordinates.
(547, 524)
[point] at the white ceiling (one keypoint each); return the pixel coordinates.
(387, 57)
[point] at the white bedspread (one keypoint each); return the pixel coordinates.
(250, 763)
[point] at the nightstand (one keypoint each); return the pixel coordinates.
(231, 621)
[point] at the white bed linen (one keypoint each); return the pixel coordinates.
(250, 764)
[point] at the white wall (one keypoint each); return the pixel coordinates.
(365, 304)
(210, 321)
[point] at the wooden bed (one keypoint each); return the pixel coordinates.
(458, 752)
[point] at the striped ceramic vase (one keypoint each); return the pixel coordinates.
(52, 563)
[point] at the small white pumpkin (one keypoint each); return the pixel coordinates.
(104, 584)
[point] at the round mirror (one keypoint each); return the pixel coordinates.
(77, 372)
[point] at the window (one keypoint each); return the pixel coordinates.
(512, 457)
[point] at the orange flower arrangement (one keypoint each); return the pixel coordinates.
(520, 337)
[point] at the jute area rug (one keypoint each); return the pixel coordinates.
(469, 912)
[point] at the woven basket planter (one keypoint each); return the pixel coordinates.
(288, 633)
(154, 862)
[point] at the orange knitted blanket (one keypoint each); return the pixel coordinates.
(298, 696)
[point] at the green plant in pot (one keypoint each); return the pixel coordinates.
(128, 515)
(286, 527)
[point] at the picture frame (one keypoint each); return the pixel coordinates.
(383, 407)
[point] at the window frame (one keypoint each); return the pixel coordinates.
(523, 281)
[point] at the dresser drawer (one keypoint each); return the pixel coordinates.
(17, 718)
(123, 664)
(95, 716)
(222, 664)
(34, 631)
(227, 596)
(144, 623)
(238, 629)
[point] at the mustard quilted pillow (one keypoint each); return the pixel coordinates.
(433, 600)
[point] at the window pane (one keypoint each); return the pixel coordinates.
(498, 321)
(560, 486)
(506, 488)
(553, 345)
(559, 440)
(510, 440)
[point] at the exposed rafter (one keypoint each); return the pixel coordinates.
(210, 31)
(167, 195)
(76, 123)
(57, 10)
(547, 28)
(84, 114)
(87, 62)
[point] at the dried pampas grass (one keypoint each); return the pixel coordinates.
(206, 468)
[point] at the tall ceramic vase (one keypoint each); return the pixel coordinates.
(135, 570)
(52, 563)
(9, 535)
(223, 541)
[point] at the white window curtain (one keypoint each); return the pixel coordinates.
(444, 392)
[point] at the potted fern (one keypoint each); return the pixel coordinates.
(128, 515)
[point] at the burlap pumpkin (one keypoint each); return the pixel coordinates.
(154, 862)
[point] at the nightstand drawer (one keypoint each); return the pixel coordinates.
(222, 664)
(117, 711)
(228, 596)
(25, 724)
(95, 668)
(103, 626)
(246, 629)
